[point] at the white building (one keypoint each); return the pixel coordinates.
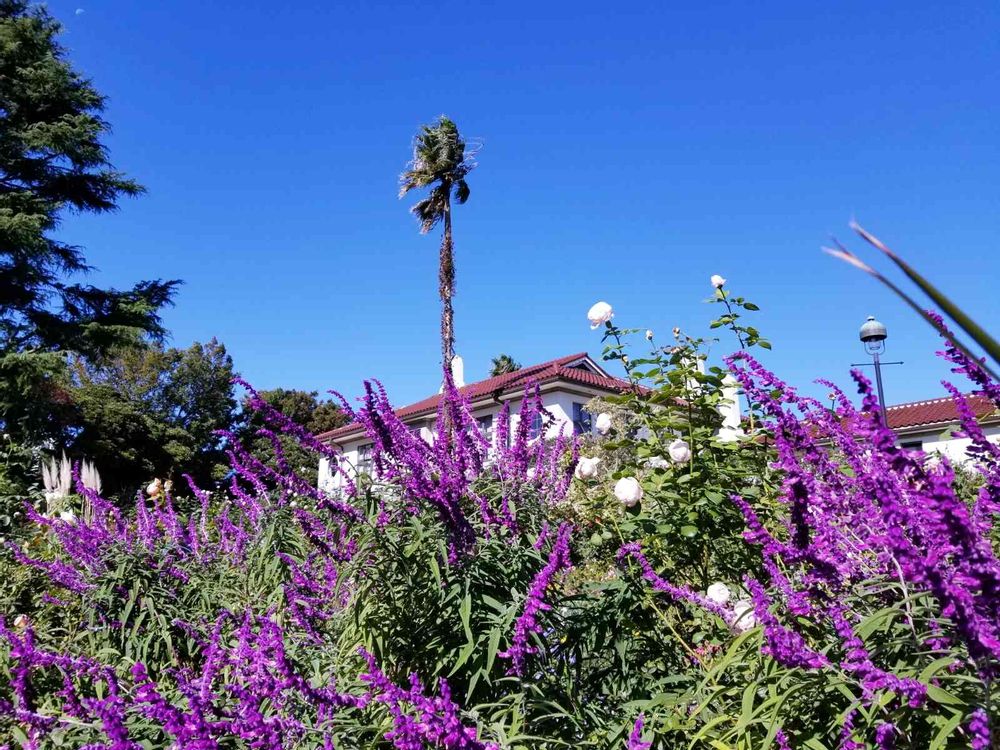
(565, 386)
(929, 425)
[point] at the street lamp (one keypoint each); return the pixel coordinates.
(873, 335)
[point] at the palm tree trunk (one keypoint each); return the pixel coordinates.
(446, 288)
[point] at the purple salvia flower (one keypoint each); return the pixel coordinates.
(635, 741)
(527, 624)
(678, 593)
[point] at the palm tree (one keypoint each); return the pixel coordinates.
(440, 162)
(502, 364)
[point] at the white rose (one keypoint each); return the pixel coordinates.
(649, 335)
(717, 281)
(680, 452)
(600, 313)
(743, 615)
(718, 593)
(603, 423)
(628, 491)
(67, 516)
(154, 488)
(586, 468)
(21, 622)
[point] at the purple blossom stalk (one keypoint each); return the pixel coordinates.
(420, 720)
(635, 741)
(678, 593)
(527, 624)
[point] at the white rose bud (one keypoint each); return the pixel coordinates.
(628, 491)
(649, 335)
(717, 281)
(600, 313)
(603, 423)
(586, 468)
(21, 622)
(154, 488)
(718, 593)
(743, 615)
(680, 452)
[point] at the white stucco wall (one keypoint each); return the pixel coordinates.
(939, 440)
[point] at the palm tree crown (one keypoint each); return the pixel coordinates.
(502, 364)
(440, 162)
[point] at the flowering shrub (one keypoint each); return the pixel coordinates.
(790, 580)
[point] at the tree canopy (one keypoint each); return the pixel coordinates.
(53, 160)
(502, 364)
(150, 411)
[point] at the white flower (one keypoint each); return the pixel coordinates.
(649, 335)
(603, 423)
(586, 468)
(677, 332)
(656, 462)
(717, 281)
(743, 615)
(154, 488)
(628, 491)
(718, 593)
(21, 622)
(67, 516)
(600, 313)
(530, 473)
(293, 504)
(680, 452)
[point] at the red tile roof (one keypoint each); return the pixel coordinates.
(565, 368)
(936, 411)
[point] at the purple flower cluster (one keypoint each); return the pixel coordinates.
(244, 688)
(527, 623)
(861, 508)
(635, 741)
(157, 534)
(420, 720)
(443, 473)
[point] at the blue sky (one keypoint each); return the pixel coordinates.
(629, 153)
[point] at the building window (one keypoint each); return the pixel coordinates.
(582, 423)
(536, 426)
(365, 459)
(912, 445)
(486, 427)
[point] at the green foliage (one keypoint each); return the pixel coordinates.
(502, 364)
(609, 645)
(153, 412)
(686, 520)
(52, 159)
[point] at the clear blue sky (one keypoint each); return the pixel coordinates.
(631, 151)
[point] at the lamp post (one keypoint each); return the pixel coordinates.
(873, 335)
